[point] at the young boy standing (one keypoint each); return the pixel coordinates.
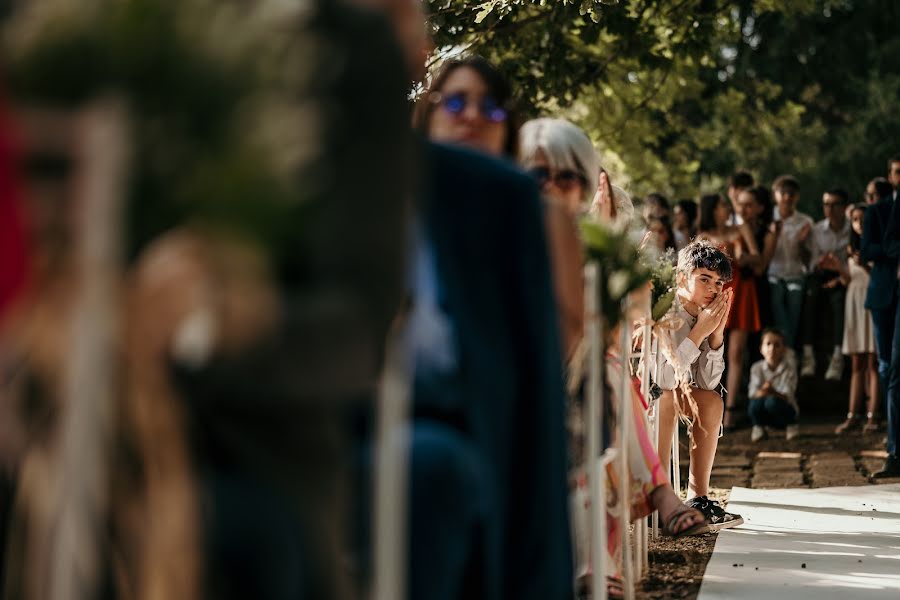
(773, 387)
(690, 372)
(788, 267)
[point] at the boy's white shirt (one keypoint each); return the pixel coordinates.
(702, 365)
(786, 263)
(783, 378)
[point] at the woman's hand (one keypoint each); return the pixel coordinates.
(604, 203)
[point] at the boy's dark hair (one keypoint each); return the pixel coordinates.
(839, 193)
(772, 331)
(883, 187)
(894, 159)
(740, 180)
(786, 182)
(703, 254)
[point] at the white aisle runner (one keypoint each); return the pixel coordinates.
(840, 542)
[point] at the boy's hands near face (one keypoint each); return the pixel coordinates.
(717, 338)
(712, 319)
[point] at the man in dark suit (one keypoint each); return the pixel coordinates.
(489, 411)
(881, 246)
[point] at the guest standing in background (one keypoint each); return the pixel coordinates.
(738, 243)
(788, 268)
(684, 223)
(859, 336)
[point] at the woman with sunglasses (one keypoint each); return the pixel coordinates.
(469, 103)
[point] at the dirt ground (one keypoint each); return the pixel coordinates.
(817, 458)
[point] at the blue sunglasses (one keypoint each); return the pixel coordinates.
(455, 105)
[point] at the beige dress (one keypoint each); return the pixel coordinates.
(859, 336)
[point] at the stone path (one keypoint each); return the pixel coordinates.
(816, 459)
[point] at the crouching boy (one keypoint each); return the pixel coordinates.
(691, 366)
(773, 388)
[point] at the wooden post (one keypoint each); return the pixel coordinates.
(596, 475)
(624, 425)
(391, 473)
(87, 420)
(654, 423)
(644, 355)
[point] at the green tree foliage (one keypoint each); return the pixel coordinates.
(678, 93)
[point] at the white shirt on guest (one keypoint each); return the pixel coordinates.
(787, 262)
(826, 240)
(783, 378)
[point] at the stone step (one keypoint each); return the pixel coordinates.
(732, 460)
(870, 465)
(728, 482)
(779, 480)
(776, 468)
(729, 472)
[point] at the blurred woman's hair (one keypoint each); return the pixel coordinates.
(564, 146)
(855, 238)
(658, 200)
(497, 86)
(689, 208)
(667, 227)
(763, 197)
(708, 204)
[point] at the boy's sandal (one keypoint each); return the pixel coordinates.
(850, 423)
(678, 522)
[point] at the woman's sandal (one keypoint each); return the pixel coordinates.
(873, 423)
(853, 421)
(676, 524)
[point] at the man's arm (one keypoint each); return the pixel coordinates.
(892, 233)
(872, 246)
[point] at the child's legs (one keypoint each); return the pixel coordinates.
(666, 429)
(859, 364)
(705, 439)
(872, 376)
(756, 410)
(779, 413)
